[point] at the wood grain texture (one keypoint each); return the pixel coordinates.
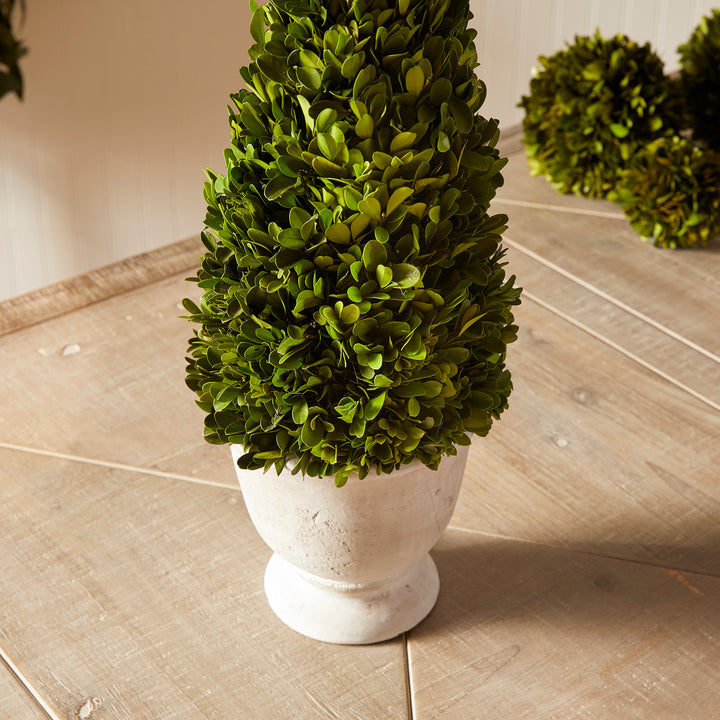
(627, 333)
(146, 595)
(678, 288)
(526, 632)
(596, 453)
(16, 703)
(107, 381)
(119, 277)
(127, 595)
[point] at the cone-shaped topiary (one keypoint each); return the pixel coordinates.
(700, 79)
(591, 107)
(356, 310)
(671, 194)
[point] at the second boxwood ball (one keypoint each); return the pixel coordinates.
(671, 194)
(700, 79)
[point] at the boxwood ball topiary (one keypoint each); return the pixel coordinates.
(671, 194)
(356, 310)
(700, 79)
(591, 107)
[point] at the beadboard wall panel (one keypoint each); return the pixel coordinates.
(513, 33)
(125, 107)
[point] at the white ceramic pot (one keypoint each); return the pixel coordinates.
(351, 564)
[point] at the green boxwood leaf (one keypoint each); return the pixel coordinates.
(384, 275)
(328, 145)
(351, 66)
(373, 255)
(191, 307)
(310, 77)
(257, 26)
(405, 275)
(339, 233)
(325, 168)
(398, 197)
(619, 131)
(443, 142)
(374, 406)
(462, 114)
(310, 60)
(440, 91)
(410, 389)
(402, 141)
(312, 432)
(326, 119)
(415, 80)
(359, 225)
(350, 314)
(272, 67)
(347, 408)
(382, 234)
(278, 186)
(371, 207)
(365, 126)
(382, 381)
(413, 407)
(306, 300)
(300, 412)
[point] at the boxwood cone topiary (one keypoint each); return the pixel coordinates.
(671, 194)
(700, 79)
(356, 310)
(591, 107)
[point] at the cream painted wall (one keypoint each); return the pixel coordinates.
(125, 107)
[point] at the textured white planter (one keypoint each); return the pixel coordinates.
(351, 564)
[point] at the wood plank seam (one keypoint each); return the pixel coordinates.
(198, 481)
(408, 678)
(560, 209)
(29, 687)
(618, 303)
(631, 356)
(677, 359)
(115, 465)
(645, 563)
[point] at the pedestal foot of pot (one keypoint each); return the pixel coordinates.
(347, 614)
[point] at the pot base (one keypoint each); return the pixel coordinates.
(347, 614)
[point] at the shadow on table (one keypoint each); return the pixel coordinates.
(489, 581)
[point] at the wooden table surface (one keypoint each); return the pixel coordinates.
(580, 575)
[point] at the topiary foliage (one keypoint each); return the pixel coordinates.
(591, 107)
(700, 79)
(11, 50)
(356, 310)
(671, 194)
